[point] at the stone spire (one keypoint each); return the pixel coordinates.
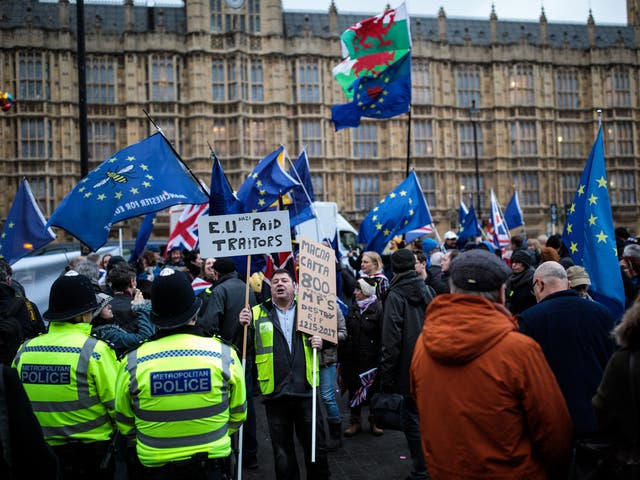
(493, 24)
(543, 27)
(333, 18)
(442, 25)
(591, 30)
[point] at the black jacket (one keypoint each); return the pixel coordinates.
(289, 368)
(520, 291)
(28, 315)
(223, 308)
(361, 349)
(30, 455)
(404, 315)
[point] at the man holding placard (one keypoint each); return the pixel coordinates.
(284, 359)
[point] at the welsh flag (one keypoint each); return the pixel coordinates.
(350, 69)
(372, 45)
(382, 33)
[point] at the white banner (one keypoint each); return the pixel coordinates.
(244, 234)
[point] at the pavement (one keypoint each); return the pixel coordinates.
(362, 457)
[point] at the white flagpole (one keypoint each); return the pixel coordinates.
(313, 410)
(120, 241)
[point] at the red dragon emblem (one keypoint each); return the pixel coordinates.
(375, 29)
(368, 63)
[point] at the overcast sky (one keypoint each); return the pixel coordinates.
(575, 11)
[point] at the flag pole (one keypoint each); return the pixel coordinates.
(408, 143)
(314, 406)
(499, 207)
(244, 359)
(157, 127)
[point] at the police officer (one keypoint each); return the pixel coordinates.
(69, 376)
(181, 395)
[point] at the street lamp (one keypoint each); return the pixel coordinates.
(473, 113)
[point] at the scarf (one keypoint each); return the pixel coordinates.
(364, 304)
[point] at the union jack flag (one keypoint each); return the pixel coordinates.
(185, 232)
(500, 233)
(417, 233)
(366, 379)
(199, 285)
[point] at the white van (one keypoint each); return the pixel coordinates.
(327, 222)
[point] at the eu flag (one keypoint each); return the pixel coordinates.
(513, 213)
(25, 228)
(462, 213)
(142, 178)
(300, 209)
(402, 210)
(222, 200)
(381, 95)
(469, 227)
(589, 235)
(146, 227)
(265, 184)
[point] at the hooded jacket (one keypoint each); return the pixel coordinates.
(520, 291)
(402, 321)
(489, 405)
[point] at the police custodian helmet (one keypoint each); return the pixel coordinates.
(173, 302)
(71, 295)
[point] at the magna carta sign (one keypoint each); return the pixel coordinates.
(317, 305)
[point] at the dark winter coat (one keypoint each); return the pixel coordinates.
(361, 350)
(520, 291)
(437, 280)
(28, 315)
(404, 315)
(30, 455)
(224, 306)
(575, 336)
(614, 404)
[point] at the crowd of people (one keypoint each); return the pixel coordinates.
(503, 360)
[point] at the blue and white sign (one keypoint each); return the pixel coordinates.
(179, 382)
(45, 374)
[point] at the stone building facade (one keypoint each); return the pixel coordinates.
(247, 76)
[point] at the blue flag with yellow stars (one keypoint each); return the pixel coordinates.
(381, 95)
(142, 178)
(222, 200)
(300, 208)
(469, 227)
(265, 183)
(144, 232)
(402, 210)
(589, 235)
(25, 228)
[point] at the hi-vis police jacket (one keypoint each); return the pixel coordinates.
(180, 395)
(69, 377)
(271, 382)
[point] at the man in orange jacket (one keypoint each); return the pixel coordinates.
(489, 404)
